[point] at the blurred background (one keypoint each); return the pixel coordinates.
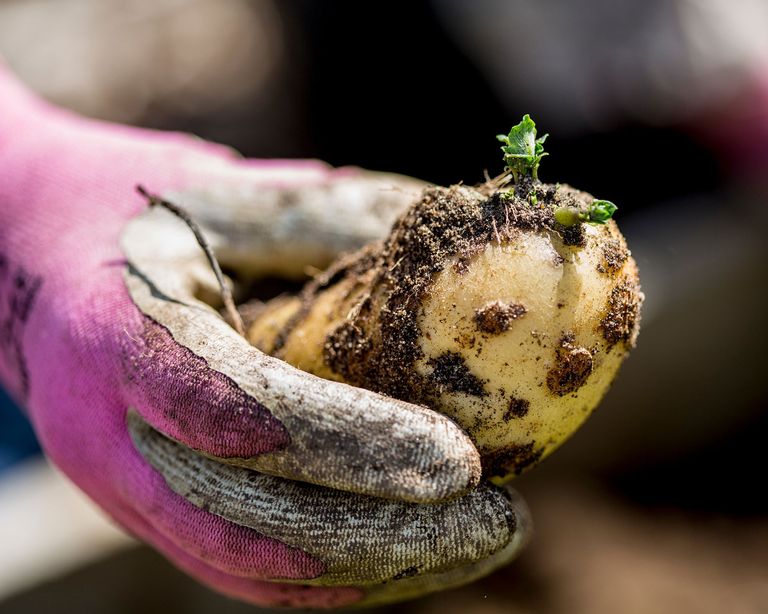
(659, 503)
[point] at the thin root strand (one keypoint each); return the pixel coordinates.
(226, 294)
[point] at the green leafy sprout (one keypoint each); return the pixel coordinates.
(522, 150)
(599, 212)
(522, 155)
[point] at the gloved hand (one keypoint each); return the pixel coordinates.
(146, 398)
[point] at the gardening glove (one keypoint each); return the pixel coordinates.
(147, 399)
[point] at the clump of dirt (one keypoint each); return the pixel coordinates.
(497, 316)
(342, 345)
(615, 254)
(621, 321)
(512, 459)
(451, 374)
(517, 408)
(572, 367)
(574, 235)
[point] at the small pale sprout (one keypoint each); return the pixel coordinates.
(568, 216)
(522, 150)
(598, 212)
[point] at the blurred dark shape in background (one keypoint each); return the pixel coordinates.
(658, 503)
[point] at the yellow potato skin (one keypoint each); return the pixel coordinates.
(265, 330)
(303, 347)
(519, 384)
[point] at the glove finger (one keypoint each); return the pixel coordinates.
(279, 230)
(193, 378)
(361, 540)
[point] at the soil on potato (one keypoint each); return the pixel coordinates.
(496, 317)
